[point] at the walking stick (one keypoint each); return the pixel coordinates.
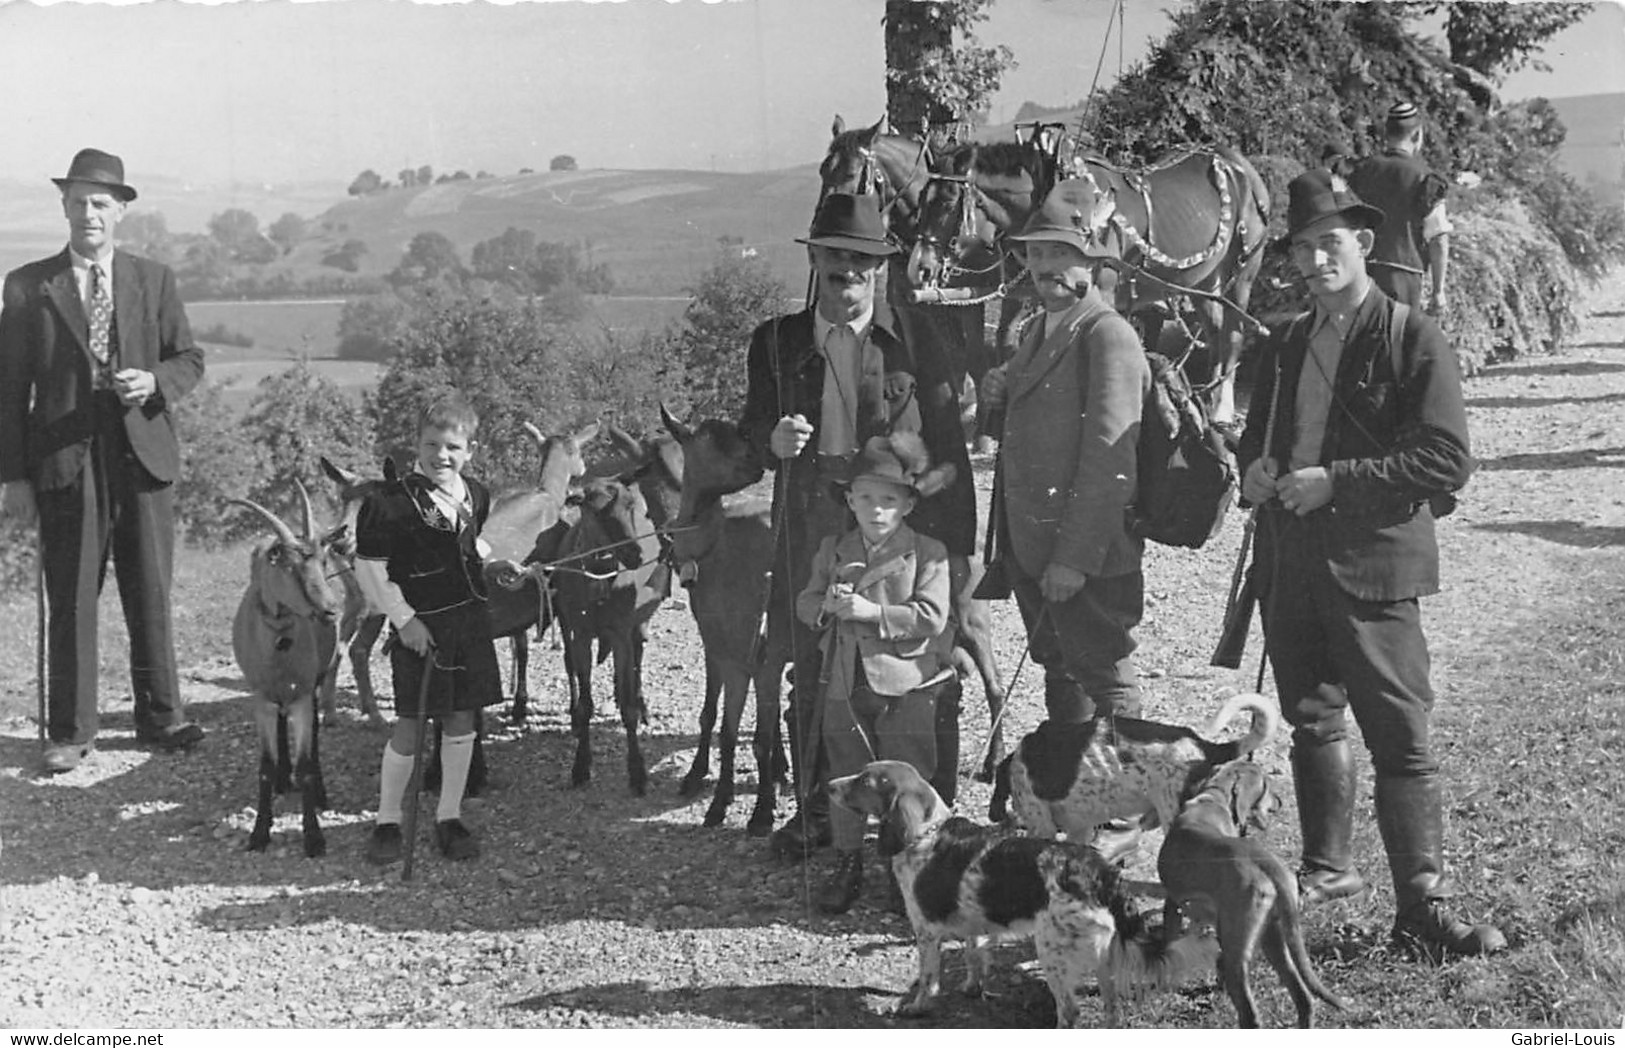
(415, 782)
(39, 633)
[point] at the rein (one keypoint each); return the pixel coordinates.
(538, 570)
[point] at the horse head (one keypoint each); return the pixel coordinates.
(864, 161)
(978, 193)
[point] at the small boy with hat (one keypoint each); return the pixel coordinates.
(879, 591)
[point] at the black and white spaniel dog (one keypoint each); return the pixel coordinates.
(977, 883)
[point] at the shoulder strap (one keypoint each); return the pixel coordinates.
(1396, 337)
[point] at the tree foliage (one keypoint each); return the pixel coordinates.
(431, 257)
(1497, 39)
(727, 303)
(296, 417)
(562, 162)
(368, 181)
(220, 460)
(937, 72)
(287, 231)
(147, 234)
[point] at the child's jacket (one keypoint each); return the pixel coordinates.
(907, 575)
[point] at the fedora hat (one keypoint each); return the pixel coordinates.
(1073, 213)
(102, 169)
(1318, 194)
(850, 222)
(899, 459)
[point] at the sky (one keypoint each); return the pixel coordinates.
(277, 91)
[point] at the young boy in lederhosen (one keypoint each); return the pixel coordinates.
(419, 559)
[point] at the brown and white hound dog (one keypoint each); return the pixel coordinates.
(975, 883)
(1072, 778)
(1218, 875)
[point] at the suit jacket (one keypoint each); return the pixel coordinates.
(1407, 191)
(1067, 458)
(907, 575)
(46, 368)
(901, 386)
(1396, 437)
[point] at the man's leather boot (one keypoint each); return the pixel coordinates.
(1410, 815)
(1323, 776)
(845, 882)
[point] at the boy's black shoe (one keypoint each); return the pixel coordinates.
(384, 846)
(455, 841)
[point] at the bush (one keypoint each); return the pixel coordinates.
(1512, 289)
(295, 418)
(370, 326)
(222, 335)
(729, 301)
(499, 352)
(220, 460)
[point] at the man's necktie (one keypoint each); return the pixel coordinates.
(101, 314)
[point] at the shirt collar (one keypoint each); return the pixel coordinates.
(860, 326)
(81, 264)
(1321, 316)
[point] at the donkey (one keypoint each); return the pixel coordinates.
(285, 639)
(724, 557)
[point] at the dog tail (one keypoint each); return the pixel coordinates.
(998, 807)
(1266, 719)
(1137, 959)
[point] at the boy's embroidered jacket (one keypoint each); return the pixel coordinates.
(907, 575)
(1393, 440)
(1067, 461)
(432, 558)
(901, 388)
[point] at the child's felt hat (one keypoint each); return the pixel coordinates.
(899, 459)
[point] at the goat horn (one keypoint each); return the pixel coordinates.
(310, 512)
(278, 525)
(673, 426)
(535, 434)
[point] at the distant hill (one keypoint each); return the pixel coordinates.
(656, 230)
(1594, 152)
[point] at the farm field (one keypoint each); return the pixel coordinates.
(282, 330)
(129, 900)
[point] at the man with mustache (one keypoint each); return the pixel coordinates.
(1069, 406)
(94, 351)
(1357, 437)
(821, 383)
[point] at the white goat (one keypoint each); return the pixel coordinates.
(285, 637)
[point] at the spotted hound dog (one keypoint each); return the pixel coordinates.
(976, 883)
(1072, 778)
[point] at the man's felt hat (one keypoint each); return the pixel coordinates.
(1318, 194)
(1403, 117)
(1068, 216)
(850, 222)
(899, 459)
(102, 169)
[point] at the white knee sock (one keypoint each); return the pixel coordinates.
(393, 775)
(456, 754)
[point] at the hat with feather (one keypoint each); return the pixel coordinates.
(900, 459)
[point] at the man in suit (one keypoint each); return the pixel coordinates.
(94, 350)
(821, 382)
(1069, 405)
(1365, 434)
(1414, 237)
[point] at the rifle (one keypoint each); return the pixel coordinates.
(1238, 609)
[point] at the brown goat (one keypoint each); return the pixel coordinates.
(724, 557)
(285, 638)
(609, 583)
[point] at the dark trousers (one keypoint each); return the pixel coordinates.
(113, 508)
(814, 513)
(1086, 645)
(1331, 652)
(1398, 284)
(870, 727)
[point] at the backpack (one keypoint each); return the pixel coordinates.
(1187, 473)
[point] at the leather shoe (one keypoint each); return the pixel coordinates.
(802, 835)
(455, 841)
(61, 757)
(384, 846)
(182, 736)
